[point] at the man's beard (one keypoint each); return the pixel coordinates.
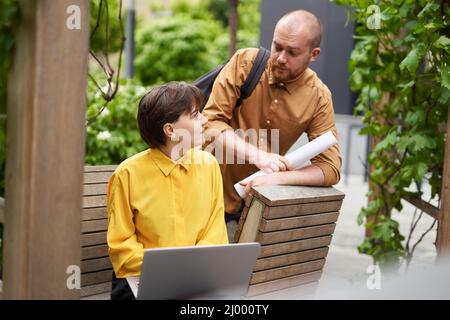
(281, 73)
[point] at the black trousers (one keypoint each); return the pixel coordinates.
(120, 290)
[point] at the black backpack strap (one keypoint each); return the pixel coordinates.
(255, 74)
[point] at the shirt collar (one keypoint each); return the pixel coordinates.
(290, 85)
(166, 164)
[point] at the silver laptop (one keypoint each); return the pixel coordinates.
(197, 272)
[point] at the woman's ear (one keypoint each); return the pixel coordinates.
(169, 131)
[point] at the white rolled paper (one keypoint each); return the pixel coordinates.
(297, 158)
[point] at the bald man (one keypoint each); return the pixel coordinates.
(288, 100)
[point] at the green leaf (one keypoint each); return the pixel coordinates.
(443, 42)
(422, 169)
(445, 77)
(412, 60)
(420, 142)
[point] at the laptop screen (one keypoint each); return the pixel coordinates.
(197, 272)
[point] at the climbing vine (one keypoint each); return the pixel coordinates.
(400, 67)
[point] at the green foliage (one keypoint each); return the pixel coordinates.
(401, 72)
(193, 40)
(98, 41)
(9, 19)
(114, 135)
(175, 48)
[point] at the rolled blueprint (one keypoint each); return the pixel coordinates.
(297, 158)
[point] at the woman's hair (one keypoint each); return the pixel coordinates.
(165, 104)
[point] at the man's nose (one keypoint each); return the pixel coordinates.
(281, 58)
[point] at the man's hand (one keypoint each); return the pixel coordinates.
(269, 162)
(265, 180)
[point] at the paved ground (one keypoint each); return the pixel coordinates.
(345, 272)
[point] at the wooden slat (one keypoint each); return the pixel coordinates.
(287, 271)
(284, 283)
(250, 222)
(248, 200)
(443, 239)
(285, 195)
(95, 289)
(94, 189)
(302, 209)
(109, 168)
(94, 201)
(288, 259)
(94, 225)
(97, 177)
(294, 246)
(96, 277)
(95, 265)
(295, 234)
(94, 252)
(90, 239)
(94, 213)
(298, 222)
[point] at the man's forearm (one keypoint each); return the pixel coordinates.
(233, 143)
(311, 175)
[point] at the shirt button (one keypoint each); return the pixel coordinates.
(281, 84)
(276, 101)
(268, 121)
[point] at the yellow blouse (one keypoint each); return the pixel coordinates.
(156, 202)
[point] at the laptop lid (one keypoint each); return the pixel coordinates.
(197, 272)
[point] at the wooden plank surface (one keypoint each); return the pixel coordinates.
(90, 239)
(295, 234)
(270, 286)
(96, 277)
(251, 222)
(302, 209)
(285, 195)
(291, 258)
(94, 201)
(287, 271)
(443, 241)
(294, 246)
(95, 289)
(46, 146)
(94, 189)
(97, 177)
(94, 252)
(98, 168)
(94, 225)
(297, 222)
(94, 213)
(96, 265)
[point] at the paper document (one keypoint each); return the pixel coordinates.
(133, 282)
(299, 157)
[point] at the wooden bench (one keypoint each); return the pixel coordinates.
(96, 268)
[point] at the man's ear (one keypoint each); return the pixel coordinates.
(169, 130)
(314, 54)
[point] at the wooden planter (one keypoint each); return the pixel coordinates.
(294, 225)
